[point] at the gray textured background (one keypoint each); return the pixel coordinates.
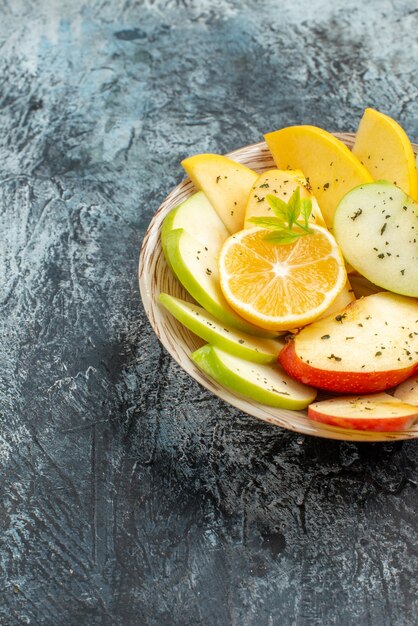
(130, 495)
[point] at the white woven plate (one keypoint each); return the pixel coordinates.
(155, 276)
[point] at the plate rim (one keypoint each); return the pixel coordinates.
(180, 192)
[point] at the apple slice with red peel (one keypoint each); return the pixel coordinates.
(371, 345)
(377, 412)
(408, 391)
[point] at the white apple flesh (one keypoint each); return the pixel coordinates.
(376, 226)
(282, 184)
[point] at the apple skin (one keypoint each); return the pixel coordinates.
(312, 149)
(253, 380)
(320, 412)
(340, 381)
(386, 424)
(198, 218)
(226, 338)
(383, 147)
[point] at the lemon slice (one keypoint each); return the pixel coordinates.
(280, 287)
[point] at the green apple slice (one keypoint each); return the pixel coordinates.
(197, 270)
(267, 384)
(376, 226)
(226, 338)
(197, 216)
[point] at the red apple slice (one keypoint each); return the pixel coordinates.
(377, 412)
(371, 345)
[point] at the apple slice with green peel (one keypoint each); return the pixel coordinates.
(376, 227)
(221, 336)
(197, 216)
(408, 391)
(282, 184)
(371, 345)
(267, 384)
(377, 412)
(226, 184)
(331, 168)
(197, 270)
(383, 147)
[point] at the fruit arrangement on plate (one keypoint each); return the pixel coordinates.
(304, 278)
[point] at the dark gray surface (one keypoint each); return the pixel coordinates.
(129, 495)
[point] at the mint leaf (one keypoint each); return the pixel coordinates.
(306, 210)
(293, 210)
(287, 226)
(268, 222)
(283, 237)
(278, 206)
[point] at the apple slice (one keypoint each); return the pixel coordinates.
(378, 412)
(371, 345)
(376, 226)
(282, 184)
(197, 270)
(197, 216)
(226, 184)
(226, 338)
(327, 163)
(408, 391)
(267, 384)
(384, 149)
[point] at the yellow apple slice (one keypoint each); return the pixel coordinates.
(345, 297)
(280, 183)
(385, 150)
(225, 183)
(331, 169)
